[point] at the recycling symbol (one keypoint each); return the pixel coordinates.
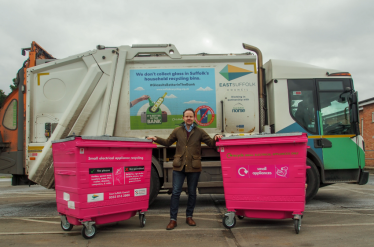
(242, 171)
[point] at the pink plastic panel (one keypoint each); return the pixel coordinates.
(265, 180)
(102, 180)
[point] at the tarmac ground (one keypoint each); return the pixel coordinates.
(340, 215)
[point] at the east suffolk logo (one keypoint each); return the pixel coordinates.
(231, 72)
(97, 197)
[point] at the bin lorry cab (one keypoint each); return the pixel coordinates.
(142, 90)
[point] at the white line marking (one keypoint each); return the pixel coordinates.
(33, 217)
(32, 233)
(27, 196)
(334, 210)
(307, 225)
(355, 213)
(197, 229)
(41, 221)
(149, 213)
(359, 192)
(30, 192)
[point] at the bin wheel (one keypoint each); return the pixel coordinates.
(67, 226)
(240, 217)
(227, 223)
(297, 225)
(142, 220)
(87, 234)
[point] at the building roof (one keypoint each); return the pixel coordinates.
(365, 102)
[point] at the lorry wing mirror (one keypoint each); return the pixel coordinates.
(353, 98)
(346, 90)
(353, 114)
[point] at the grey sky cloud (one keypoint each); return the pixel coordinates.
(333, 34)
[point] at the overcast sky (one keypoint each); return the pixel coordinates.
(335, 34)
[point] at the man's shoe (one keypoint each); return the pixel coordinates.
(172, 225)
(190, 221)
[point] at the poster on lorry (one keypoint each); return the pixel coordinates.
(158, 97)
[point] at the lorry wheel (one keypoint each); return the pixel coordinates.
(312, 180)
(155, 185)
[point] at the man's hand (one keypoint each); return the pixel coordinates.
(216, 137)
(152, 138)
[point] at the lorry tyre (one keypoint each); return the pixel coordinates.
(155, 185)
(312, 180)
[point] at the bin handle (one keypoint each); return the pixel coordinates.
(70, 152)
(68, 173)
(308, 167)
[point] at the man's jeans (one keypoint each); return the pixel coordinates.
(178, 179)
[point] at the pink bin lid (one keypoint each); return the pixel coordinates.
(108, 141)
(296, 137)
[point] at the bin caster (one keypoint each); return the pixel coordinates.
(240, 217)
(142, 219)
(229, 220)
(297, 223)
(89, 229)
(65, 225)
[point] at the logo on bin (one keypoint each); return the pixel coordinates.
(118, 175)
(140, 192)
(282, 172)
(242, 171)
(95, 197)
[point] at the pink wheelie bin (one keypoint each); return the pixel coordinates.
(100, 179)
(264, 176)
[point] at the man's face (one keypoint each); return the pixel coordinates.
(188, 117)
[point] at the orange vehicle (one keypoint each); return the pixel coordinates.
(13, 125)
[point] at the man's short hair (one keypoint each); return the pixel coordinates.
(189, 109)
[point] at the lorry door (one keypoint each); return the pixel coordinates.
(302, 95)
(340, 152)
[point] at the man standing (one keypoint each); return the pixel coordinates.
(187, 163)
